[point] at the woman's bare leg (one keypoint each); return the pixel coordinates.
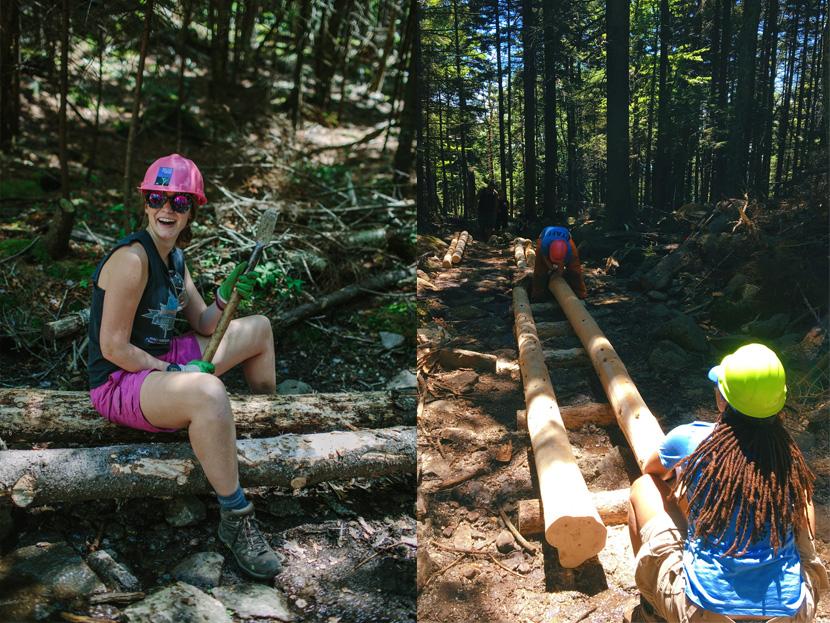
(248, 341)
(649, 497)
(198, 402)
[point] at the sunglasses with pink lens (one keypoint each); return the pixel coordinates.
(179, 202)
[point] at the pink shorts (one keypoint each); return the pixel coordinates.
(119, 399)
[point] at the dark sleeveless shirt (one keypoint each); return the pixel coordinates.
(164, 295)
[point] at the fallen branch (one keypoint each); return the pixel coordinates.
(36, 477)
(66, 325)
(37, 415)
(385, 280)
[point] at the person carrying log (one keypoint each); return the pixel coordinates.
(731, 539)
(488, 200)
(556, 254)
(143, 377)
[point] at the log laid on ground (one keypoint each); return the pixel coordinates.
(555, 328)
(37, 415)
(519, 253)
(447, 261)
(576, 416)
(572, 523)
(639, 425)
(565, 357)
(36, 477)
(455, 358)
(612, 507)
(389, 279)
(66, 325)
(463, 240)
(530, 253)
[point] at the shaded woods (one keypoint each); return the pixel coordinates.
(628, 109)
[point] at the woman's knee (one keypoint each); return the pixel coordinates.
(211, 398)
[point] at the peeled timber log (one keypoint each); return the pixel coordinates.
(576, 416)
(572, 524)
(566, 357)
(519, 253)
(447, 261)
(382, 281)
(67, 325)
(530, 253)
(455, 358)
(641, 429)
(36, 477)
(463, 239)
(36, 415)
(612, 507)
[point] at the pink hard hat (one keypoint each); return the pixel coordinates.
(175, 173)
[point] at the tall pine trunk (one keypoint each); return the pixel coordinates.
(9, 73)
(570, 109)
(466, 197)
(720, 121)
(509, 112)
(766, 86)
(502, 161)
(784, 109)
(295, 98)
(618, 206)
(402, 162)
(550, 9)
(529, 83)
(662, 172)
(180, 102)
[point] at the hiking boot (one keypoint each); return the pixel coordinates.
(642, 612)
(239, 531)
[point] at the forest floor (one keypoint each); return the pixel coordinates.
(469, 306)
(348, 547)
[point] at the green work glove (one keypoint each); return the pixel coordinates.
(196, 365)
(244, 284)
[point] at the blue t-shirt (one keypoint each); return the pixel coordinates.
(756, 583)
(549, 234)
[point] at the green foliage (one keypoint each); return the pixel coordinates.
(271, 278)
(397, 317)
(16, 188)
(13, 245)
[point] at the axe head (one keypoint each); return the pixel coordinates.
(265, 226)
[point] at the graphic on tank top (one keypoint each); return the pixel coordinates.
(165, 316)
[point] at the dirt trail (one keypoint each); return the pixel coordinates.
(470, 308)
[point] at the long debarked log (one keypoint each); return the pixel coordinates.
(37, 415)
(639, 425)
(576, 416)
(458, 253)
(519, 253)
(35, 477)
(378, 282)
(447, 261)
(612, 507)
(572, 523)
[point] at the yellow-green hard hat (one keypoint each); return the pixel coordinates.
(752, 380)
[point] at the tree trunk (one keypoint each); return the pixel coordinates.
(403, 160)
(570, 107)
(529, 57)
(9, 73)
(60, 229)
(784, 109)
(662, 172)
(743, 104)
(721, 132)
(502, 159)
(329, 53)
(649, 172)
(37, 477)
(445, 193)
(29, 416)
(180, 103)
(769, 64)
(618, 208)
(392, 16)
(550, 11)
(462, 115)
(127, 189)
(220, 43)
(93, 152)
(509, 110)
(295, 98)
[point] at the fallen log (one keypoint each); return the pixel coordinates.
(639, 425)
(519, 253)
(455, 358)
(556, 328)
(36, 477)
(37, 415)
(463, 240)
(612, 507)
(447, 261)
(382, 281)
(66, 325)
(566, 357)
(572, 524)
(530, 253)
(576, 416)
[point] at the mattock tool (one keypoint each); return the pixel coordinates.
(264, 233)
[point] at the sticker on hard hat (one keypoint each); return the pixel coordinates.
(163, 176)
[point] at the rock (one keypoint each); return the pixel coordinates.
(770, 328)
(469, 571)
(293, 386)
(391, 340)
(683, 331)
(254, 601)
(467, 312)
(473, 516)
(301, 603)
(33, 579)
(447, 531)
(403, 380)
(737, 282)
(432, 333)
(523, 568)
(668, 356)
(463, 536)
(114, 574)
(458, 381)
(202, 569)
(505, 542)
(656, 295)
(184, 511)
(180, 603)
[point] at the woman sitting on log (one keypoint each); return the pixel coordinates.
(143, 377)
(731, 540)
(556, 254)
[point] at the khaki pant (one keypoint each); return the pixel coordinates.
(661, 579)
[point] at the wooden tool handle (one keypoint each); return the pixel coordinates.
(222, 326)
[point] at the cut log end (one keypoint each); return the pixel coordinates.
(576, 538)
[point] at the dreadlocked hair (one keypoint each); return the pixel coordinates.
(754, 465)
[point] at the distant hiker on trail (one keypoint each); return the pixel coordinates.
(488, 202)
(503, 212)
(556, 253)
(732, 537)
(143, 377)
